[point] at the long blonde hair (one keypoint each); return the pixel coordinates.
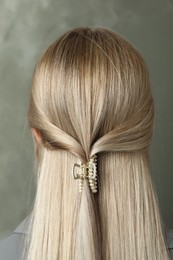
(91, 94)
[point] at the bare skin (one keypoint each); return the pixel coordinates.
(36, 134)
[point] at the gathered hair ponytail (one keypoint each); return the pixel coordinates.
(91, 95)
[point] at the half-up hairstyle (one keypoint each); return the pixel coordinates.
(91, 95)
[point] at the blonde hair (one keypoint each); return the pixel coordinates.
(91, 95)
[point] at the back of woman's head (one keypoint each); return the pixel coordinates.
(92, 84)
(91, 95)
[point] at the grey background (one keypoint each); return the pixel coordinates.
(27, 27)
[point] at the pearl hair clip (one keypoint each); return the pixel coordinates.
(88, 170)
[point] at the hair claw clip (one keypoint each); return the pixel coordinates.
(88, 170)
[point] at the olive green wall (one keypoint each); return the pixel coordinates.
(27, 27)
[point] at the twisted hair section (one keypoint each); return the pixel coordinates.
(91, 95)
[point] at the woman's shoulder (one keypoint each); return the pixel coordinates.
(169, 234)
(10, 245)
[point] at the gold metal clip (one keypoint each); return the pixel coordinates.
(88, 170)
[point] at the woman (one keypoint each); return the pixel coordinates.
(91, 113)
